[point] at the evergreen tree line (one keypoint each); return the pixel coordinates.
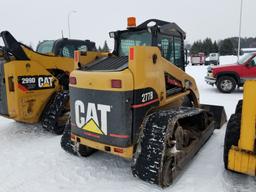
(206, 46)
(105, 47)
(227, 46)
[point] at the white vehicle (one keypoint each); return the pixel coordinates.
(198, 59)
(213, 59)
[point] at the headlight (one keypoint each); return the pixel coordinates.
(209, 69)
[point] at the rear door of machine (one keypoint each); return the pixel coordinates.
(3, 96)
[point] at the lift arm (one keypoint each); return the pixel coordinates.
(248, 130)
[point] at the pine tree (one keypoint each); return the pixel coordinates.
(215, 47)
(99, 49)
(197, 47)
(207, 46)
(105, 47)
(226, 47)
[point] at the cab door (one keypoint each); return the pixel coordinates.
(172, 49)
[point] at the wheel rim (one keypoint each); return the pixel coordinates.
(137, 152)
(169, 161)
(226, 85)
(167, 171)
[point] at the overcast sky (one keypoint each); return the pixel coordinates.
(33, 20)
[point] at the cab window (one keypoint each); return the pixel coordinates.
(177, 48)
(69, 48)
(129, 39)
(171, 49)
(45, 47)
(82, 48)
(253, 62)
(68, 51)
(166, 46)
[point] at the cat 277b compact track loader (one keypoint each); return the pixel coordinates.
(34, 86)
(240, 138)
(139, 104)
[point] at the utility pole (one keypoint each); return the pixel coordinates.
(240, 30)
(69, 14)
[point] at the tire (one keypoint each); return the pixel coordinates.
(232, 135)
(55, 110)
(69, 146)
(226, 84)
(239, 107)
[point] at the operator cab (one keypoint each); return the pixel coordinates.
(169, 37)
(64, 47)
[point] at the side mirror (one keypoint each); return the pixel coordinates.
(1, 53)
(251, 64)
(186, 61)
(112, 34)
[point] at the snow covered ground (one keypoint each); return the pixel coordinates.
(32, 159)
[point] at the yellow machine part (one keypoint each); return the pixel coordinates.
(121, 152)
(147, 74)
(27, 106)
(242, 158)
(84, 58)
(242, 161)
(142, 68)
(63, 63)
(50, 62)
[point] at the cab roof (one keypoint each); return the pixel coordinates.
(164, 27)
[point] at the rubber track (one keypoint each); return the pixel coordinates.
(147, 165)
(53, 111)
(68, 145)
(66, 142)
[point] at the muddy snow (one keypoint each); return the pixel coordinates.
(32, 159)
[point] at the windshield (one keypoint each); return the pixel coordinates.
(68, 49)
(45, 47)
(244, 58)
(129, 39)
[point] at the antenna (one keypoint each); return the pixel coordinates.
(62, 34)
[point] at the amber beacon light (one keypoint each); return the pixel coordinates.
(131, 22)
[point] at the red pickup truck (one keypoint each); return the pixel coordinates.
(228, 77)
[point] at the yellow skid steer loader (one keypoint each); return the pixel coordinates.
(34, 86)
(139, 104)
(240, 138)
